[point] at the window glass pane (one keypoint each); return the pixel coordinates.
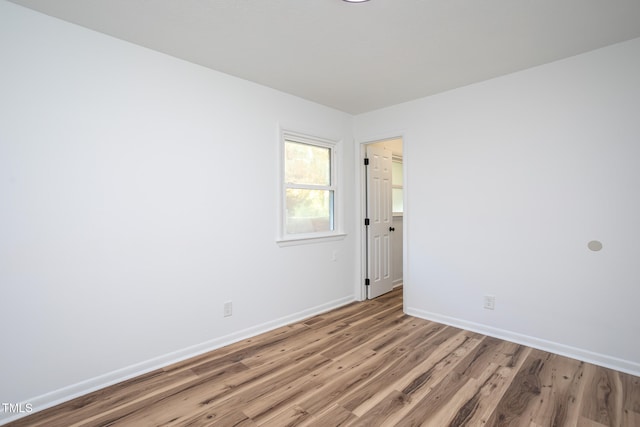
(396, 196)
(396, 173)
(309, 211)
(307, 164)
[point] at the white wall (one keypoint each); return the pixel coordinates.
(138, 193)
(507, 182)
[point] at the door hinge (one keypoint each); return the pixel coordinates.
(366, 161)
(367, 282)
(366, 221)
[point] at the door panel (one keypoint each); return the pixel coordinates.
(380, 220)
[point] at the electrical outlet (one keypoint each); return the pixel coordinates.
(489, 302)
(228, 308)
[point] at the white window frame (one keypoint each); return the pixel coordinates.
(287, 239)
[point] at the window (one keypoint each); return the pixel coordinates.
(397, 185)
(309, 190)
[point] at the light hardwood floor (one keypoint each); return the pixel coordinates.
(366, 364)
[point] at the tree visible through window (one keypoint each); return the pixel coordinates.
(309, 187)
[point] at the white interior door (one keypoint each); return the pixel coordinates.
(379, 231)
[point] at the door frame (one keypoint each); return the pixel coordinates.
(361, 150)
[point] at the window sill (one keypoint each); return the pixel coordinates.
(305, 240)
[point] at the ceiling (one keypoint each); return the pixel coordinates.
(359, 57)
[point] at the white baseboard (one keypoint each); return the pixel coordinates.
(73, 391)
(603, 360)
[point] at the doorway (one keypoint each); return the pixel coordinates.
(383, 216)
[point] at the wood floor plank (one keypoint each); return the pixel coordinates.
(603, 400)
(177, 406)
(470, 401)
(395, 362)
(366, 397)
(523, 390)
(428, 374)
(462, 406)
(631, 389)
(500, 358)
(422, 410)
(333, 377)
(266, 388)
(562, 380)
(630, 418)
(291, 417)
(442, 360)
(586, 422)
(479, 407)
(490, 350)
(365, 364)
(334, 415)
